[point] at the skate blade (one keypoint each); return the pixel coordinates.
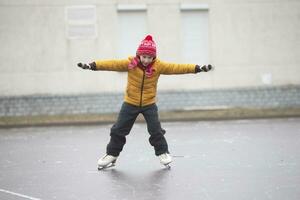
(107, 166)
(167, 166)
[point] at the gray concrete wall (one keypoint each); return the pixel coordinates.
(252, 43)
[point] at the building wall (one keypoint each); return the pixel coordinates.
(251, 43)
(255, 42)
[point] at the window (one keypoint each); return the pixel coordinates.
(81, 22)
(132, 21)
(194, 20)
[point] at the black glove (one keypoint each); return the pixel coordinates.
(91, 66)
(203, 68)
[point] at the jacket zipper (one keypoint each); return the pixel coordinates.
(142, 88)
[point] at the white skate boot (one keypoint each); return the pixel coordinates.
(106, 162)
(165, 159)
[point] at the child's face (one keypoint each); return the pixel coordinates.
(146, 60)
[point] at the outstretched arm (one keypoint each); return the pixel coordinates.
(107, 65)
(171, 68)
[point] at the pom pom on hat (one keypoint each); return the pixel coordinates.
(147, 47)
(148, 37)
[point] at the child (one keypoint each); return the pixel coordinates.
(143, 72)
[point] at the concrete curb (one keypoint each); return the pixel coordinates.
(176, 115)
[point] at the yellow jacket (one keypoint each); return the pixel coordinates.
(141, 90)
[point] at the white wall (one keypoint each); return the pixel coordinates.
(248, 40)
(253, 39)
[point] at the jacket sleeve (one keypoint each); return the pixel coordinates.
(112, 65)
(172, 68)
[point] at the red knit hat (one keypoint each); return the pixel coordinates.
(147, 47)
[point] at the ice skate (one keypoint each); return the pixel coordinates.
(106, 162)
(165, 159)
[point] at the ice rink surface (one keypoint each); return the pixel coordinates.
(213, 160)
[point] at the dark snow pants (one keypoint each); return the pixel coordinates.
(125, 121)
